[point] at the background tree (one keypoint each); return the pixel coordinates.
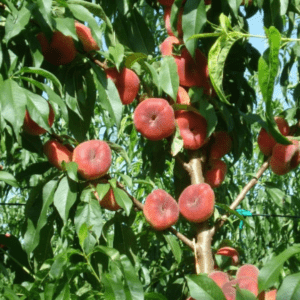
(76, 71)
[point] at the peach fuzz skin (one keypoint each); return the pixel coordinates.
(33, 128)
(127, 83)
(154, 118)
(57, 153)
(85, 36)
(193, 129)
(93, 158)
(196, 202)
(60, 51)
(161, 210)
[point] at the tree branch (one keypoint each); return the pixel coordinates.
(241, 195)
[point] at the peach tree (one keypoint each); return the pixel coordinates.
(149, 150)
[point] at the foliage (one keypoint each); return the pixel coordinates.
(63, 245)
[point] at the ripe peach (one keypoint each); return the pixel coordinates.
(167, 14)
(219, 277)
(85, 36)
(248, 270)
(57, 153)
(161, 210)
(215, 173)
(154, 118)
(93, 158)
(244, 282)
(108, 201)
(127, 83)
(183, 96)
(221, 145)
(196, 202)
(61, 49)
(270, 295)
(193, 129)
(193, 72)
(34, 129)
(285, 158)
(231, 252)
(166, 47)
(266, 142)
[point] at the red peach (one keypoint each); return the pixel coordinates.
(127, 83)
(33, 128)
(266, 142)
(57, 153)
(215, 174)
(154, 118)
(193, 129)
(231, 252)
(270, 295)
(167, 15)
(248, 270)
(161, 210)
(244, 282)
(285, 158)
(166, 47)
(108, 201)
(196, 202)
(61, 49)
(183, 96)
(93, 158)
(221, 145)
(219, 277)
(85, 36)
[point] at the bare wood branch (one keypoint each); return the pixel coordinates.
(242, 195)
(185, 165)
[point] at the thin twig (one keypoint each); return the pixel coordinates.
(242, 195)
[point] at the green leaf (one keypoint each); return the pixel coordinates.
(175, 247)
(88, 214)
(32, 235)
(154, 296)
(8, 178)
(289, 288)
(13, 101)
(177, 142)
(10, 294)
(71, 169)
(216, 61)
(201, 287)
(16, 23)
(108, 95)
(114, 289)
(270, 272)
(133, 58)
(208, 112)
(117, 54)
(119, 151)
(168, 77)
(83, 14)
(134, 288)
(268, 68)
(242, 294)
(83, 234)
(275, 194)
(193, 21)
(102, 190)
(43, 73)
(123, 200)
(65, 197)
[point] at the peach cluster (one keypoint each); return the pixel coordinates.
(61, 50)
(284, 158)
(246, 278)
(196, 204)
